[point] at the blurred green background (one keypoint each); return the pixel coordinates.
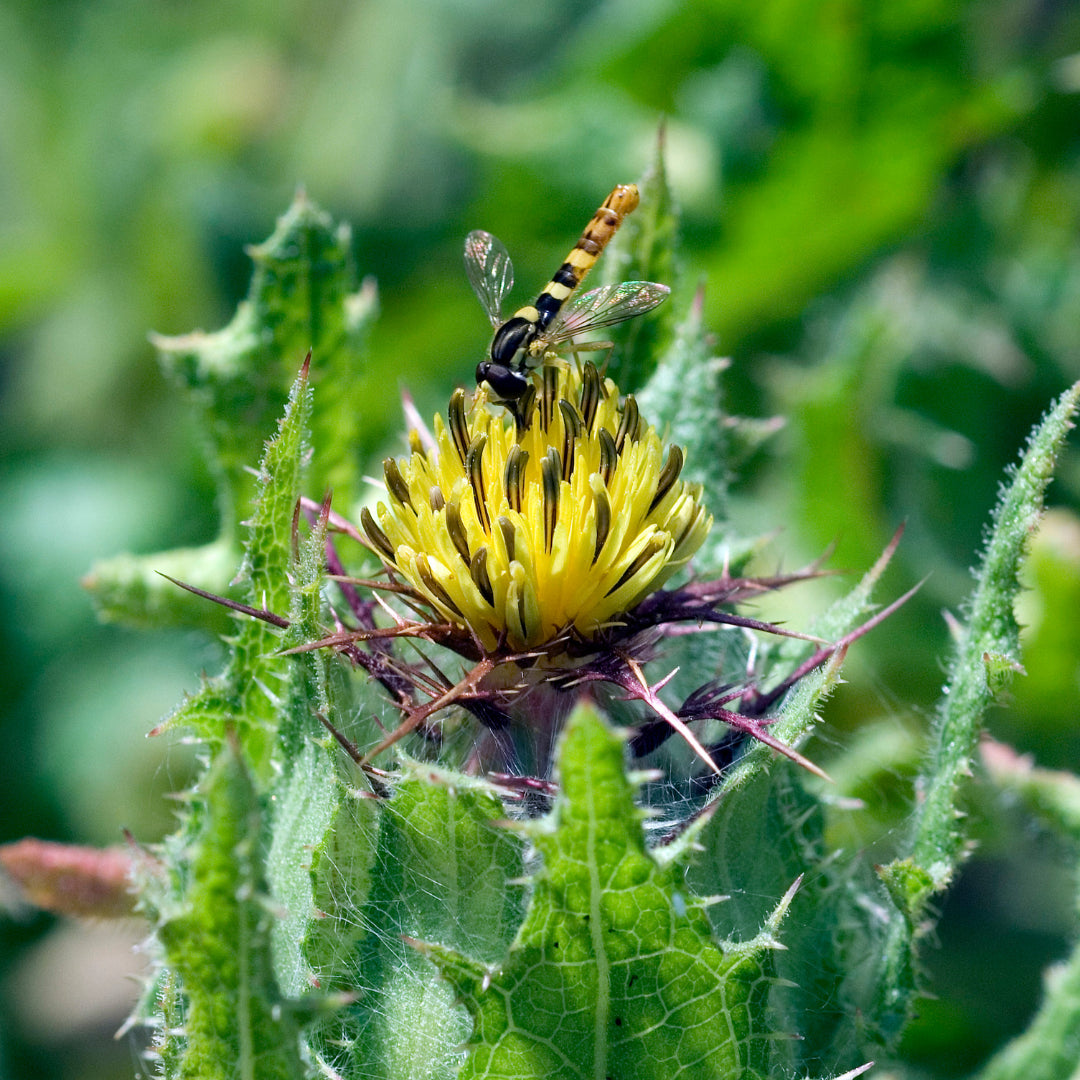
(883, 200)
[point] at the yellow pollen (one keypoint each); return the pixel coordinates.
(557, 523)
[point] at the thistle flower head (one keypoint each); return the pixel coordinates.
(548, 523)
(533, 539)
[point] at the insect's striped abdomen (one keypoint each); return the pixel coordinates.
(605, 222)
(513, 340)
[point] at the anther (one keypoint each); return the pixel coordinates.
(691, 523)
(609, 455)
(550, 476)
(590, 394)
(668, 475)
(549, 387)
(603, 520)
(506, 527)
(435, 499)
(456, 530)
(478, 570)
(628, 425)
(431, 583)
(395, 483)
(474, 470)
(573, 427)
(655, 545)
(514, 476)
(379, 540)
(459, 427)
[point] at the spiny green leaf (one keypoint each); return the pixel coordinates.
(269, 547)
(245, 698)
(303, 296)
(991, 629)
(443, 846)
(939, 838)
(324, 828)
(445, 872)
(126, 591)
(753, 847)
(308, 691)
(765, 832)
(615, 972)
(319, 868)
(219, 941)
(164, 1002)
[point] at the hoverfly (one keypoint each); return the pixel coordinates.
(522, 341)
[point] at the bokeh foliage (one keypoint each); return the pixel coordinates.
(884, 202)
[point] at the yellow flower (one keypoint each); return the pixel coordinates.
(549, 522)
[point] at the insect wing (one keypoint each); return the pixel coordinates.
(606, 306)
(490, 273)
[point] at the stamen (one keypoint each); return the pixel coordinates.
(515, 607)
(603, 519)
(522, 614)
(573, 426)
(691, 524)
(550, 476)
(431, 583)
(478, 569)
(609, 455)
(474, 470)
(506, 526)
(668, 475)
(523, 414)
(514, 476)
(379, 540)
(647, 552)
(628, 426)
(395, 483)
(590, 394)
(435, 499)
(459, 426)
(456, 530)
(549, 388)
(416, 445)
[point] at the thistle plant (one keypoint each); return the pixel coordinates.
(503, 778)
(536, 543)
